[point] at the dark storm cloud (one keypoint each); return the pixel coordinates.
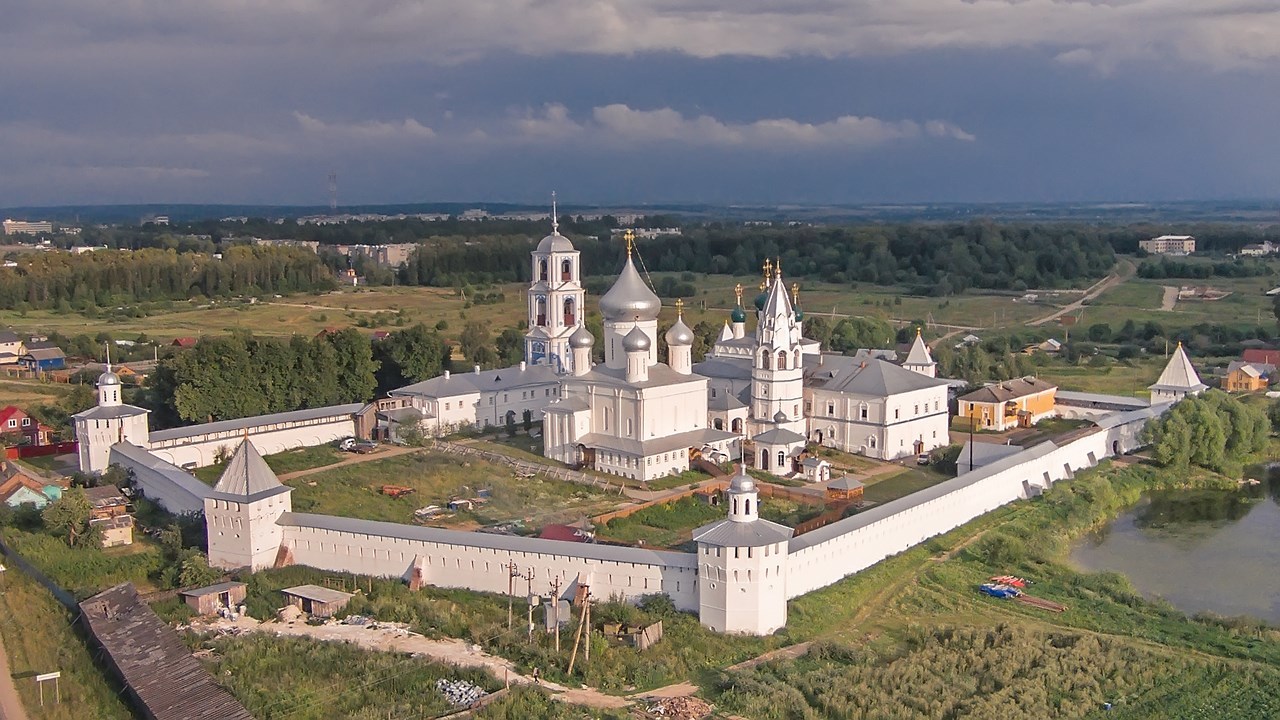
(824, 100)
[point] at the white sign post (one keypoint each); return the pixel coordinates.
(57, 692)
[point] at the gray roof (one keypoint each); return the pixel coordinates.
(645, 448)
(110, 412)
(919, 353)
(212, 589)
(813, 462)
(256, 421)
(45, 353)
(660, 375)
(1072, 397)
(725, 401)
(506, 543)
(725, 368)
(555, 242)
(247, 476)
(893, 507)
(984, 453)
(630, 297)
(731, 533)
(1111, 420)
(778, 436)
(129, 455)
(847, 482)
(1179, 374)
(509, 378)
(319, 594)
(1263, 369)
(8, 336)
(571, 404)
(871, 377)
(1007, 390)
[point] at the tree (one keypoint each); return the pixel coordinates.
(69, 516)
(510, 346)
(528, 420)
(474, 340)
(511, 425)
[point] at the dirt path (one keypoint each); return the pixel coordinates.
(397, 639)
(1169, 299)
(382, 453)
(10, 704)
(1124, 271)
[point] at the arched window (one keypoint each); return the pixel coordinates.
(872, 442)
(737, 425)
(570, 312)
(628, 427)
(747, 509)
(782, 459)
(566, 270)
(764, 459)
(718, 424)
(542, 270)
(782, 359)
(540, 311)
(735, 506)
(764, 360)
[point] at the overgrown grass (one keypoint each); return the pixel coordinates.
(665, 525)
(284, 462)
(355, 491)
(39, 638)
(305, 679)
(85, 571)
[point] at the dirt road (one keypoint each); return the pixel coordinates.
(1124, 271)
(10, 704)
(382, 453)
(1169, 299)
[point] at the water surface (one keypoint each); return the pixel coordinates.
(1200, 550)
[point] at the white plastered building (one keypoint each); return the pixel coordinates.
(1178, 379)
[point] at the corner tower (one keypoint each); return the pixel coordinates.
(742, 566)
(919, 359)
(555, 298)
(107, 423)
(1178, 379)
(241, 512)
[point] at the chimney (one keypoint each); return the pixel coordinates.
(477, 369)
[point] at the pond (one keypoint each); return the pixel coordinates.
(1199, 550)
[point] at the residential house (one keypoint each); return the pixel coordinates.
(1261, 355)
(1021, 402)
(19, 487)
(11, 348)
(43, 359)
(111, 514)
(185, 342)
(1169, 245)
(15, 421)
(1260, 249)
(1244, 377)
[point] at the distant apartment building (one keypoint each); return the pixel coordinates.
(648, 233)
(311, 245)
(1261, 249)
(22, 227)
(1169, 245)
(386, 255)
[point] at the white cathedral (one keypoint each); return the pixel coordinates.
(763, 396)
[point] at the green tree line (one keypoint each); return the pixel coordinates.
(1214, 431)
(241, 375)
(99, 279)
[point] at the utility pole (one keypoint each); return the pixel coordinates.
(585, 593)
(529, 578)
(512, 574)
(554, 608)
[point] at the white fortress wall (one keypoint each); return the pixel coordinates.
(478, 561)
(828, 554)
(199, 445)
(172, 487)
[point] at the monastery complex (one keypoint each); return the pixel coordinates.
(762, 393)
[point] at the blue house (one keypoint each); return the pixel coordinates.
(43, 359)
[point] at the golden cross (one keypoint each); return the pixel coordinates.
(630, 237)
(777, 269)
(768, 265)
(795, 292)
(679, 308)
(737, 292)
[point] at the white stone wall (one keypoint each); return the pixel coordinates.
(96, 436)
(743, 590)
(459, 565)
(199, 450)
(244, 534)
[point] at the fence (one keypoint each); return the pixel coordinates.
(62, 448)
(32, 572)
(714, 485)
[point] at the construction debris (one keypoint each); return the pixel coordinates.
(460, 693)
(680, 708)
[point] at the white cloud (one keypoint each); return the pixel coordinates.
(1218, 33)
(621, 124)
(367, 130)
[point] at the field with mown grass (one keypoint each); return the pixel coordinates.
(284, 462)
(355, 491)
(900, 483)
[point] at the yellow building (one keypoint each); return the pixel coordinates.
(1247, 377)
(1021, 402)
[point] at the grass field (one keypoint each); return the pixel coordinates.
(1115, 378)
(900, 483)
(39, 638)
(285, 462)
(354, 491)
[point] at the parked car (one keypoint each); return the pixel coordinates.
(345, 444)
(922, 459)
(364, 448)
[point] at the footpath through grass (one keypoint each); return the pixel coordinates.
(284, 462)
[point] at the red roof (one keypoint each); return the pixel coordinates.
(185, 342)
(562, 532)
(11, 411)
(1261, 355)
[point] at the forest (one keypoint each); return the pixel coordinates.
(63, 281)
(242, 375)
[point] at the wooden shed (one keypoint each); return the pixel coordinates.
(316, 600)
(207, 600)
(846, 488)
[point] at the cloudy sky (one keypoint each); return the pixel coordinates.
(628, 101)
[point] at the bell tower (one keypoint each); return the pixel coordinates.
(555, 298)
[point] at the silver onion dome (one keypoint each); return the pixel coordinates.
(636, 341)
(630, 298)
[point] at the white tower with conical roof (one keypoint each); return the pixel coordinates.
(1178, 380)
(107, 423)
(242, 511)
(777, 379)
(556, 298)
(919, 359)
(742, 566)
